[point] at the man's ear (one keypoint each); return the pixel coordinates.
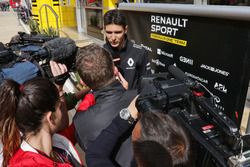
(126, 29)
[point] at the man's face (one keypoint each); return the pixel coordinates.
(115, 34)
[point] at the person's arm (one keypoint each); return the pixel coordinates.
(98, 152)
(71, 99)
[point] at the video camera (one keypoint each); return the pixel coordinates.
(221, 143)
(39, 50)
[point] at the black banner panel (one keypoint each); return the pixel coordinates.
(213, 51)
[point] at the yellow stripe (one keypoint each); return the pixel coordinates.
(168, 39)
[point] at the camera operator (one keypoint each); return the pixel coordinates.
(158, 140)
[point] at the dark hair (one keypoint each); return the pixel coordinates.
(114, 17)
(23, 108)
(151, 154)
(161, 128)
(10, 137)
(95, 66)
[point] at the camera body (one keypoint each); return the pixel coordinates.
(215, 132)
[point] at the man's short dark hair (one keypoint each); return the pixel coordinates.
(115, 17)
(160, 128)
(95, 66)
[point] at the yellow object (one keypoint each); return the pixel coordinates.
(54, 13)
(108, 5)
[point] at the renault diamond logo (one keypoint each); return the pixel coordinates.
(130, 62)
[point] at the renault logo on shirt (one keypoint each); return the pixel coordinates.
(131, 63)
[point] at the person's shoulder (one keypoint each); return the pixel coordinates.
(136, 47)
(26, 158)
(87, 115)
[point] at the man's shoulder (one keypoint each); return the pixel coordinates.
(136, 47)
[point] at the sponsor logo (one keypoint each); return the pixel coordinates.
(130, 62)
(158, 62)
(216, 70)
(196, 77)
(137, 46)
(141, 46)
(161, 52)
(186, 60)
(220, 87)
(216, 99)
(220, 107)
(146, 47)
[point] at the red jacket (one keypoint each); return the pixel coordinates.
(28, 156)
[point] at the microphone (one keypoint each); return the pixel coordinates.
(62, 50)
(57, 49)
(180, 75)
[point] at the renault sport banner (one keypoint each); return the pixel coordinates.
(213, 51)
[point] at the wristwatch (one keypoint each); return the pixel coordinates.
(125, 114)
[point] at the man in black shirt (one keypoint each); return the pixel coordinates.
(130, 59)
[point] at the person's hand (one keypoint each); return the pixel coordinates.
(57, 68)
(132, 108)
(121, 79)
(59, 72)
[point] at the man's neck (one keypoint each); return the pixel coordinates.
(122, 45)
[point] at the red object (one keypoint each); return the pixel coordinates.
(198, 93)
(69, 132)
(88, 101)
(28, 158)
(236, 115)
(210, 126)
(15, 3)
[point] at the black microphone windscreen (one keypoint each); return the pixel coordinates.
(60, 48)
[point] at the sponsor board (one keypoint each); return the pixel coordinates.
(192, 44)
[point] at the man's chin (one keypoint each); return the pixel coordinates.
(114, 45)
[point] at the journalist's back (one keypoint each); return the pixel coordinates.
(96, 69)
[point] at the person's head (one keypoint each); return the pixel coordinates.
(95, 66)
(115, 27)
(159, 141)
(27, 108)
